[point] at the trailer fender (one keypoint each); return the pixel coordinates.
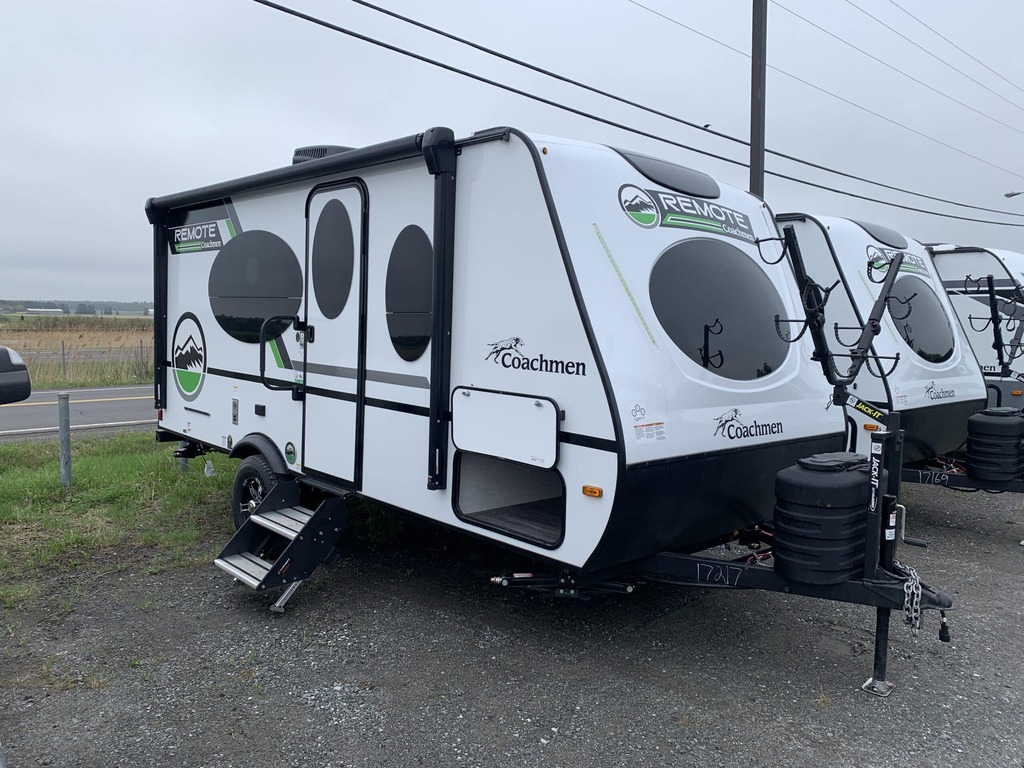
(256, 443)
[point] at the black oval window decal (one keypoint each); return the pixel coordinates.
(719, 308)
(255, 276)
(333, 259)
(920, 319)
(407, 293)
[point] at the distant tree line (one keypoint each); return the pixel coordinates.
(111, 308)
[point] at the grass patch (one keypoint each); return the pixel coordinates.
(127, 499)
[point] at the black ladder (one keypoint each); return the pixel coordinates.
(282, 542)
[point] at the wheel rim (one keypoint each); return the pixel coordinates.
(251, 496)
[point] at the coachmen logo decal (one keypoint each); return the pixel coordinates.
(935, 393)
(506, 354)
(188, 356)
(651, 208)
(730, 426)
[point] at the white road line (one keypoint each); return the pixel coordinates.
(72, 391)
(38, 430)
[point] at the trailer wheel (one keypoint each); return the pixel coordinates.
(253, 481)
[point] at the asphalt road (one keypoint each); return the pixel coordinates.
(106, 408)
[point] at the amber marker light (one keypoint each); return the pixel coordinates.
(871, 427)
(1015, 392)
(592, 491)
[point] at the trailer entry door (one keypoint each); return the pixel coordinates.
(334, 373)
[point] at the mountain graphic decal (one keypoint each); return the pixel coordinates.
(638, 204)
(188, 355)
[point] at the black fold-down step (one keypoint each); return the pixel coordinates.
(283, 542)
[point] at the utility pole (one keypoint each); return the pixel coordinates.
(758, 67)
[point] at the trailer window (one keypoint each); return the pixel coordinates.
(719, 308)
(334, 258)
(920, 319)
(256, 275)
(408, 293)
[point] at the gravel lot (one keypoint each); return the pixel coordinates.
(408, 657)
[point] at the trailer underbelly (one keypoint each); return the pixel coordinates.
(683, 505)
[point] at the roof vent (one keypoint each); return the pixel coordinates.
(317, 151)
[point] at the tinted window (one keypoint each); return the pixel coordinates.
(334, 258)
(677, 177)
(408, 292)
(255, 275)
(884, 235)
(920, 319)
(719, 308)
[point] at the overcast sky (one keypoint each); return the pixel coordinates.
(107, 103)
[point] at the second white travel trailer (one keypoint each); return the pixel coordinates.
(563, 348)
(921, 363)
(986, 289)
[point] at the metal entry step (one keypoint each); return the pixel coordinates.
(246, 567)
(282, 542)
(287, 522)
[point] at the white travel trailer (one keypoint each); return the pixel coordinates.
(992, 316)
(922, 365)
(562, 348)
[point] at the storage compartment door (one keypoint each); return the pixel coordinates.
(516, 427)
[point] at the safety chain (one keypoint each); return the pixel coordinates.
(912, 601)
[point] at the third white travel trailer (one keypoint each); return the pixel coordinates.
(992, 316)
(922, 365)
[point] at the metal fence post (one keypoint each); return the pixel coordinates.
(64, 422)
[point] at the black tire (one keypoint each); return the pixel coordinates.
(253, 481)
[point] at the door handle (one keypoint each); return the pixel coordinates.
(263, 355)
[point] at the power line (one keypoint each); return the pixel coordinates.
(487, 81)
(884, 63)
(934, 56)
(659, 113)
(433, 62)
(834, 95)
(965, 53)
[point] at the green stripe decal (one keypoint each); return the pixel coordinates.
(625, 287)
(277, 354)
(231, 227)
(693, 223)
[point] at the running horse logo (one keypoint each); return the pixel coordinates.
(511, 344)
(727, 418)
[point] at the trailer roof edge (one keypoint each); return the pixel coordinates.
(375, 154)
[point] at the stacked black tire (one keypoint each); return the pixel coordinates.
(995, 445)
(821, 509)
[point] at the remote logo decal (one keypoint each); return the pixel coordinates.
(651, 208)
